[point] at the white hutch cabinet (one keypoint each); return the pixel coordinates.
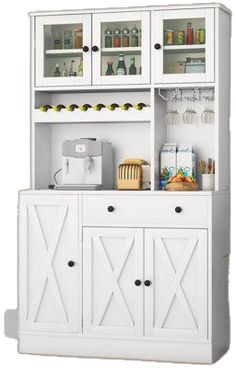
(126, 274)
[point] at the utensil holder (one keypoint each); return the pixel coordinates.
(208, 181)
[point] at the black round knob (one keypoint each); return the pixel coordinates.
(95, 48)
(147, 282)
(85, 48)
(110, 208)
(137, 282)
(178, 209)
(71, 263)
(157, 46)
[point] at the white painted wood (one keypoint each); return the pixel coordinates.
(112, 261)
(220, 244)
(185, 255)
(158, 18)
(135, 8)
(176, 301)
(138, 210)
(41, 22)
(105, 115)
(48, 239)
(223, 79)
(98, 19)
(121, 348)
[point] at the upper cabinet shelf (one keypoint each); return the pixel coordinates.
(63, 52)
(105, 49)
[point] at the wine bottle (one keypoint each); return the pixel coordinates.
(72, 72)
(140, 106)
(85, 107)
(126, 106)
(132, 68)
(57, 72)
(45, 108)
(71, 107)
(58, 107)
(65, 71)
(112, 107)
(121, 67)
(98, 107)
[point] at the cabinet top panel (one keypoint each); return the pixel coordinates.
(138, 8)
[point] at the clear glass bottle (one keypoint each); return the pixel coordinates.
(78, 38)
(80, 67)
(125, 37)
(72, 72)
(132, 68)
(121, 67)
(110, 70)
(134, 36)
(68, 40)
(57, 72)
(108, 37)
(65, 71)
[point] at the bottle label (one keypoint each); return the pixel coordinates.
(120, 72)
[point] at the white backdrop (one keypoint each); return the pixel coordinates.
(15, 160)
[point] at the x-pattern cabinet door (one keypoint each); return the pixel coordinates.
(48, 240)
(176, 301)
(112, 261)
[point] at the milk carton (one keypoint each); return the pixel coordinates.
(167, 163)
(186, 160)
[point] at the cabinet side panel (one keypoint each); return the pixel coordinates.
(220, 268)
(222, 95)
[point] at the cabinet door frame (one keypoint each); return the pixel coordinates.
(41, 21)
(144, 78)
(27, 212)
(198, 237)
(158, 18)
(90, 323)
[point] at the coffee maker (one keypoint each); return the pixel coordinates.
(87, 163)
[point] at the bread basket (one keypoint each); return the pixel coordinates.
(129, 177)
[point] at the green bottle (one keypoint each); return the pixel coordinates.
(85, 107)
(132, 68)
(113, 106)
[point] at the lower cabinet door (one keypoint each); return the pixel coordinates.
(176, 300)
(112, 300)
(49, 287)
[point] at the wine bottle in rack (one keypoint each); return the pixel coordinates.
(140, 106)
(99, 107)
(113, 106)
(58, 107)
(126, 106)
(85, 107)
(72, 107)
(45, 108)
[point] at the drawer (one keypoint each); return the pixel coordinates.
(145, 210)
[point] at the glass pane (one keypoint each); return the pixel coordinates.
(121, 48)
(184, 46)
(63, 55)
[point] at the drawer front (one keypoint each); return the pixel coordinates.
(146, 210)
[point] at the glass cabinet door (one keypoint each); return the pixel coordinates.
(63, 56)
(183, 49)
(121, 48)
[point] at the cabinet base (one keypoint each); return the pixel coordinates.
(181, 352)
